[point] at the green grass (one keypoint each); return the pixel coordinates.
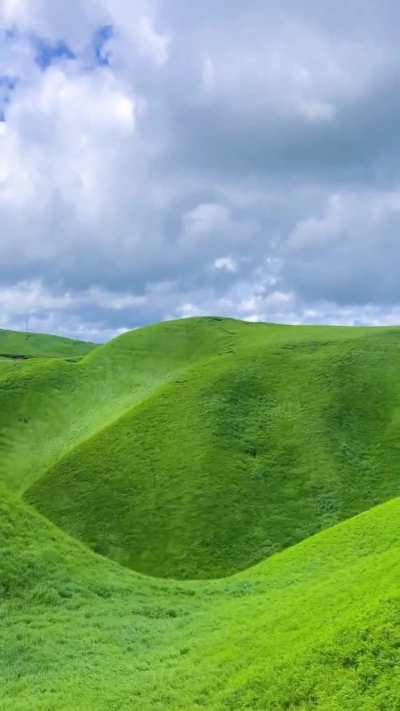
(265, 438)
(58, 404)
(14, 344)
(225, 465)
(315, 627)
(17, 349)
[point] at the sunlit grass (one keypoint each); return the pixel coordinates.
(194, 450)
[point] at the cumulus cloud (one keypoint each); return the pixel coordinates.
(165, 160)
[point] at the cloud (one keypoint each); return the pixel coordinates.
(346, 254)
(205, 219)
(162, 160)
(226, 264)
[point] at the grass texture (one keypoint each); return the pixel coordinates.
(15, 345)
(201, 514)
(314, 627)
(236, 441)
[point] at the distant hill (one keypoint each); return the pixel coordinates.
(16, 345)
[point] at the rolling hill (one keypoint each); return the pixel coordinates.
(250, 439)
(215, 504)
(16, 345)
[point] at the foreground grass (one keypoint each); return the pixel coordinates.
(315, 627)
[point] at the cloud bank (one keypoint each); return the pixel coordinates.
(164, 159)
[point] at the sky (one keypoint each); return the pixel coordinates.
(163, 159)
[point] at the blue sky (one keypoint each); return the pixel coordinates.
(48, 53)
(167, 159)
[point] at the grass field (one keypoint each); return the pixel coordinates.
(181, 519)
(315, 627)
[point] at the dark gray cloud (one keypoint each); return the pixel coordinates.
(163, 159)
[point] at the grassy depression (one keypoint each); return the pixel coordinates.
(315, 627)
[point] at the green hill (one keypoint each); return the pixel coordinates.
(16, 345)
(315, 627)
(236, 441)
(59, 404)
(226, 466)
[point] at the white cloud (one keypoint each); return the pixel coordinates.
(26, 298)
(151, 43)
(206, 218)
(225, 264)
(65, 142)
(188, 311)
(295, 69)
(14, 11)
(348, 216)
(214, 162)
(75, 22)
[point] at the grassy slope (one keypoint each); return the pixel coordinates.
(14, 343)
(16, 349)
(269, 435)
(315, 627)
(58, 404)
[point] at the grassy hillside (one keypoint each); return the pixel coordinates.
(225, 442)
(315, 627)
(18, 349)
(59, 404)
(195, 449)
(15, 345)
